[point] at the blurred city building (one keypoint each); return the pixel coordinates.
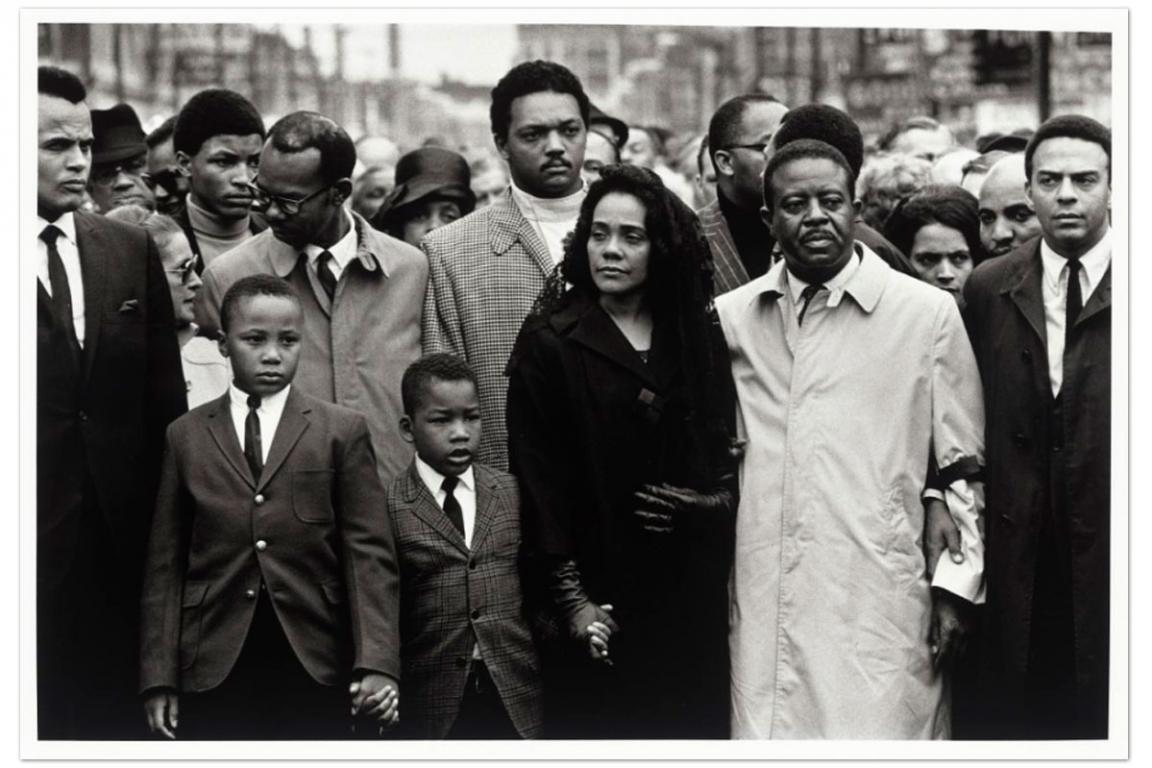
(976, 81)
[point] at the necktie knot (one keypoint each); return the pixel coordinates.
(806, 296)
(325, 274)
(50, 234)
(253, 402)
(449, 484)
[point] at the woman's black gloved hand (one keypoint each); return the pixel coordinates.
(664, 508)
(573, 604)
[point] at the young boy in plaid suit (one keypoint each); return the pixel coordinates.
(468, 662)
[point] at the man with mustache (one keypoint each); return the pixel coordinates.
(361, 290)
(109, 381)
(168, 182)
(217, 138)
(1040, 319)
(836, 631)
(1007, 219)
(487, 268)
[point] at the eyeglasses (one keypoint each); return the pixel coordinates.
(757, 147)
(185, 270)
(106, 174)
(262, 200)
(170, 179)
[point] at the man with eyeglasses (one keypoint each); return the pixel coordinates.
(362, 291)
(737, 236)
(164, 176)
(118, 160)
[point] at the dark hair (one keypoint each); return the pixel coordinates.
(827, 124)
(440, 366)
(532, 77)
(799, 150)
(161, 134)
(916, 122)
(945, 204)
(724, 127)
(54, 81)
(303, 130)
(214, 112)
(253, 285)
(1073, 127)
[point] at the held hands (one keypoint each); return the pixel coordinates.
(951, 623)
(660, 508)
(162, 708)
(599, 633)
(940, 533)
(378, 696)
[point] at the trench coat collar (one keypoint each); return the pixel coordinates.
(865, 287)
(1024, 287)
(585, 323)
(284, 257)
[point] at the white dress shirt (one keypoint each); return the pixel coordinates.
(342, 252)
(464, 493)
(1055, 290)
(269, 412)
(70, 256)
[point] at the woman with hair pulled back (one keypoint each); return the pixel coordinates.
(620, 422)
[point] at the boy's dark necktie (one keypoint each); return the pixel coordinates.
(61, 290)
(806, 296)
(451, 506)
(324, 272)
(253, 448)
(1074, 302)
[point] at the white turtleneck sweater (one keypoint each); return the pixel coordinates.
(551, 217)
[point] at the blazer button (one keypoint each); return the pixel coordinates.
(261, 545)
(259, 498)
(82, 416)
(250, 594)
(1027, 355)
(471, 565)
(461, 661)
(475, 614)
(1019, 439)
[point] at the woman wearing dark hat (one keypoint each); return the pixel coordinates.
(432, 189)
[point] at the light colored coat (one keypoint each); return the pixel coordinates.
(485, 272)
(355, 348)
(830, 605)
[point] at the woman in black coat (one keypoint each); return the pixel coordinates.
(620, 411)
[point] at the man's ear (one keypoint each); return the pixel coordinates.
(343, 190)
(501, 146)
(766, 217)
(220, 343)
(722, 161)
(183, 159)
(1028, 193)
(406, 429)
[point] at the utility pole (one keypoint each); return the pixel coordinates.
(118, 58)
(816, 80)
(1044, 74)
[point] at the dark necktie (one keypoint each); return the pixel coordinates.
(324, 272)
(806, 296)
(1075, 301)
(253, 448)
(451, 506)
(61, 290)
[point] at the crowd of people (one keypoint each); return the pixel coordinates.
(603, 433)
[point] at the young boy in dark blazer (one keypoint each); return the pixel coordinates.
(469, 664)
(271, 586)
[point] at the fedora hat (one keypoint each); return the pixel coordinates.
(116, 134)
(424, 173)
(617, 126)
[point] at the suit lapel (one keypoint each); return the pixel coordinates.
(222, 431)
(596, 331)
(509, 225)
(424, 506)
(92, 247)
(1026, 292)
(1100, 299)
(293, 422)
(485, 507)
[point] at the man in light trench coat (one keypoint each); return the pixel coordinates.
(850, 376)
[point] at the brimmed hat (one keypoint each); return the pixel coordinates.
(427, 172)
(1011, 142)
(116, 134)
(618, 127)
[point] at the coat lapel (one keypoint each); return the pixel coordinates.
(424, 506)
(222, 431)
(596, 331)
(1025, 290)
(93, 269)
(509, 225)
(485, 507)
(1100, 299)
(293, 422)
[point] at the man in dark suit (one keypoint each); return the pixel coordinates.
(108, 382)
(1040, 319)
(270, 591)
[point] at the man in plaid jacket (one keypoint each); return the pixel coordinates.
(486, 269)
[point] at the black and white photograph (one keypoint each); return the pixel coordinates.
(510, 383)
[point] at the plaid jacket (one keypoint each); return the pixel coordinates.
(452, 596)
(485, 272)
(729, 272)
